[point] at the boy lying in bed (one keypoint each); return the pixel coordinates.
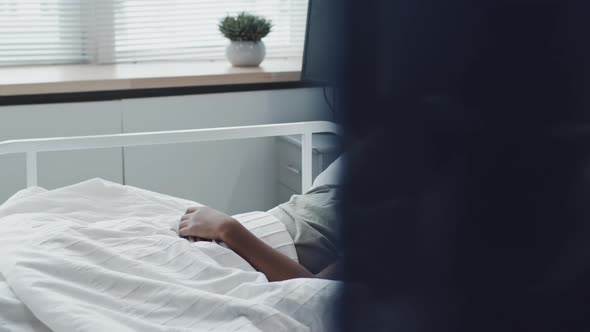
(310, 219)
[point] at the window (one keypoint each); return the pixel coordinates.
(113, 31)
(49, 31)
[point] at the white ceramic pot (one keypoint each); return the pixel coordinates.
(245, 53)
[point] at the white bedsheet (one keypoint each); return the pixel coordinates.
(98, 256)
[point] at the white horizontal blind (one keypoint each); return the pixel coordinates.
(149, 30)
(111, 31)
(42, 32)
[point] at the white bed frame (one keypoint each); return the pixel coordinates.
(306, 129)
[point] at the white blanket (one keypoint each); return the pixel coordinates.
(98, 256)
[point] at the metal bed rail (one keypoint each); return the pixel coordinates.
(31, 147)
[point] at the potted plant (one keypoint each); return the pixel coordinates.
(245, 31)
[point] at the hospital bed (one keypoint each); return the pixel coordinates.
(306, 129)
(99, 256)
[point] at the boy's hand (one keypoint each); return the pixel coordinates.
(205, 223)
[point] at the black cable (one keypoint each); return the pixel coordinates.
(330, 105)
(334, 99)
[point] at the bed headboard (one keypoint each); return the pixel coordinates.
(306, 129)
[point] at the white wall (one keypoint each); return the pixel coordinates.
(231, 176)
(59, 168)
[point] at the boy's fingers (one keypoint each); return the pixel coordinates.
(191, 209)
(184, 232)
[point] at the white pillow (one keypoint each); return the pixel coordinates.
(331, 175)
(28, 192)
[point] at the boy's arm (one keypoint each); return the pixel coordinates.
(205, 223)
(261, 256)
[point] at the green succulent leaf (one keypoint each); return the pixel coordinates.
(245, 27)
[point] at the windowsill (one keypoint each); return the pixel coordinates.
(34, 80)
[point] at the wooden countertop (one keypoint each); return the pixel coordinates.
(29, 80)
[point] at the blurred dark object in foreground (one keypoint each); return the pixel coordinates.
(467, 203)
